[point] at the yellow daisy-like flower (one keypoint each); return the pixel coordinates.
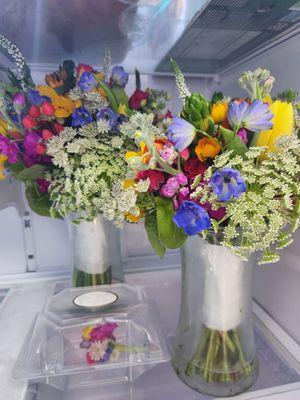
(86, 332)
(3, 159)
(3, 127)
(64, 106)
(283, 125)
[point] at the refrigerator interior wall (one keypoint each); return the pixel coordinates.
(276, 285)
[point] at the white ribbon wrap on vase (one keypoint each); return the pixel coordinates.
(91, 250)
(225, 296)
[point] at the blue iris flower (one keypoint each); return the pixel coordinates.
(87, 81)
(256, 117)
(113, 119)
(181, 133)
(227, 183)
(81, 116)
(36, 98)
(119, 76)
(192, 218)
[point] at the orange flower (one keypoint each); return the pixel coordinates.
(207, 148)
(219, 111)
(143, 150)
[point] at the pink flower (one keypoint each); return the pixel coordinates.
(29, 122)
(185, 154)
(168, 114)
(182, 179)
(170, 187)
(168, 154)
(34, 111)
(47, 134)
(217, 214)
(101, 332)
(43, 185)
(157, 178)
(138, 99)
(242, 133)
(47, 109)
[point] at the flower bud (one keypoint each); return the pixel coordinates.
(47, 109)
(29, 122)
(34, 111)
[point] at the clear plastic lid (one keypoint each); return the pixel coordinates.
(77, 344)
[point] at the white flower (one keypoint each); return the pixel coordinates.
(98, 349)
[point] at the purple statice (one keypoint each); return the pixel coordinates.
(181, 133)
(113, 119)
(36, 98)
(9, 149)
(119, 76)
(80, 117)
(87, 81)
(192, 218)
(227, 183)
(256, 117)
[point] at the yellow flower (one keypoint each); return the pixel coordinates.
(3, 159)
(86, 332)
(64, 106)
(130, 154)
(3, 127)
(133, 218)
(219, 112)
(283, 125)
(207, 148)
(122, 109)
(128, 183)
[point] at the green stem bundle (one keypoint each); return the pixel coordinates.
(82, 279)
(219, 357)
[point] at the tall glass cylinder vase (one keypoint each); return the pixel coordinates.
(96, 252)
(214, 349)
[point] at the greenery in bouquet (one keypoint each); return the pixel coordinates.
(63, 138)
(225, 166)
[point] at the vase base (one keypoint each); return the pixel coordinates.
(199, 384)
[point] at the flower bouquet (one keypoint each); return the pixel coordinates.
(226, 169)
(63, 140)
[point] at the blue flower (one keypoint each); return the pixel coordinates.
(35, 98)
(227, 183)
(119, 76)
(81, 116)
(87, 81)
(181, 133)
(192, 218)
(113, 119)
(256, 117)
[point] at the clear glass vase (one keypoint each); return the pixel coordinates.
(214, 350)
(96, 252)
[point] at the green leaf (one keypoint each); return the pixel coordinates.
(233, 141)
(32, 173)
(39, 202)
(170, 235)
(109, 94)
(120, 95)
(152, 232)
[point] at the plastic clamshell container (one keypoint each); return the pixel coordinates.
(53, 353)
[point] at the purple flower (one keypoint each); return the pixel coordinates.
(170, 187)
(81, 116)
(107, 354)
(119, 76)
(181, 179)
(227, 183)
(87, 81)
(43, 185)
(111, 117)
(181, 133)
(19, 100)
(242, 134)
(9, 149)
(35, 98)
(192, 218)
(256, 117)
(30, 143)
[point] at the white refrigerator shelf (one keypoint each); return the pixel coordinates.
(278, 353)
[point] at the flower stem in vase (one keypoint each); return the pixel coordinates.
(81, 278)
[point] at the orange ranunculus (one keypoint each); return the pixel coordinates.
(219, 111)
(207, 148)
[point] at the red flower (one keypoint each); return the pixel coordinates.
(157, 178)
(46, 134)
(81, 68)
(138, 96)
(168, 114)
(43, 185)
(34, 111)
(58, 127)
(47, 109)
(29, 122)
(194, 167)
(217, 214)
(41, 148)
